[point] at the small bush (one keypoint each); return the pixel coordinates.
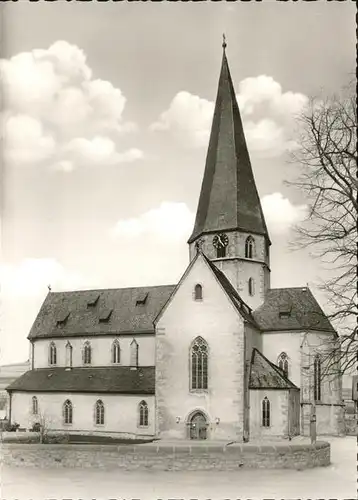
(56, 439)
(11, 427)
(36, 427)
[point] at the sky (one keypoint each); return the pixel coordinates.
(105, 118)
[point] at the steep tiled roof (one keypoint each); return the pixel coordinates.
(291, 309)
(228, 198)
(266, 375)
(120, 380)
(93, 312)
(240, 305)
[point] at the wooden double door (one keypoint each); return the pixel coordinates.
(198, 426)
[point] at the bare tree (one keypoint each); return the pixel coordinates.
(327, 157)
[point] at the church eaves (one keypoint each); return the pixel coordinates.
(228, 199)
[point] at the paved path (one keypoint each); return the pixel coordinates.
(336, 481)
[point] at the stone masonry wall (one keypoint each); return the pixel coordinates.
(154, 457)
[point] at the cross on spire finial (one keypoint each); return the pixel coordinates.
(224, 41)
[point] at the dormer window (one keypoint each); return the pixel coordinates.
(93, 300)
(105, 315)
(249, 247)
(62, 318)
(141, 299)
(284, 311)
(198, 292)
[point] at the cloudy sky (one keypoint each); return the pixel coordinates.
(106, 114)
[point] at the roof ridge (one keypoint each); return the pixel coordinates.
(109, 289)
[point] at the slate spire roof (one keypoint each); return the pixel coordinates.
(228, 198)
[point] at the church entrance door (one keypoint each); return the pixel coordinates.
(198, 426)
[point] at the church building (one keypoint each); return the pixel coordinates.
(221, 355)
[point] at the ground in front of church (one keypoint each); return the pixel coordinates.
(338, 481)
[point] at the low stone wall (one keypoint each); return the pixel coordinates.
(168, 457)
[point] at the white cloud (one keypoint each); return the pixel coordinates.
(25, 140)
(189, 116)
(263, 89)
(32, 276)
(101, 151)
(54, 95)
(280, 213)
(171, 221)
(267, 112)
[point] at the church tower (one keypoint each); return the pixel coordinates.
(230, 228)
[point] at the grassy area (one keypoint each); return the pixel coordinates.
(31, 438)
(73, 438)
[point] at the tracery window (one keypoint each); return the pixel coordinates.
(283, 362)
(199, 364)
(67, 412)
(68, 354)
(317, 381)
(249, 247)
(87, 353)
(143, 414)
(134, 353)
(53, 354)
(99, 413)
(198, 292)
(35, 405)
(266, 416)
(116, 352)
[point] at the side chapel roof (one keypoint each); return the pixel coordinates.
(109, 379)
(291, 309)
(266, 375)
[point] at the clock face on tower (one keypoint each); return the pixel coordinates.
(220, 240)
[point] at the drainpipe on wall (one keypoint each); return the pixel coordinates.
(10, 404)
(32, 354)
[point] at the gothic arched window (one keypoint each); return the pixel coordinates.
(143, 414)
(53, 354)
(134, 353)
(67, 412)
(87, 353)
(266, 417)
(198, 292)
(249, 247)
(283, 362)
(35, 405)
(99, 412)
(199, 364)
(317, 378)
(251, 286)
(68, 354)
(116, 352)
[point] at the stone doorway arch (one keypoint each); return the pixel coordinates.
(198, 425)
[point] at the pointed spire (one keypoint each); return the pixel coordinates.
(228, 198)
